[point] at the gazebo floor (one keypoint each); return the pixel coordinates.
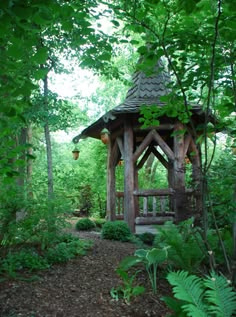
(139, 229)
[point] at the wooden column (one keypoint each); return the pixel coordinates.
(136, 199)
(181, 212)
(129, 205)
(111, 184)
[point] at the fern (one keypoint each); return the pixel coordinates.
(184, 251)
(203, 297)
(188, 288)
(220, 296)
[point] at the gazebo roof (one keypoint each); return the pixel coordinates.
(146, 90)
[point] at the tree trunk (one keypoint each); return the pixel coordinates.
(48, 144)
(29, 168)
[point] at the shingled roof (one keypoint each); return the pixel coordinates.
(146, 90)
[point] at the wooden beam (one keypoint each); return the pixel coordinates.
(187, 141)
(163, 145)
(160, 157)
(120, 145)
(129, 205)
(146, 141)
(111, 185)
(115, 153)
(144, 158)
(153, 192)
(161, 127)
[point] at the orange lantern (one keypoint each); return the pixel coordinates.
(75, 153)
(105, 136)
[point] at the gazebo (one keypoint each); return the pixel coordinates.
(171, 142)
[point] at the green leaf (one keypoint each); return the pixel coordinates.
(138, 290)
(175, 305)
(188, 288)
(129, 261)
(220, 296)
(40, 73)
(156, 256)
(115, 22)
(41, 56)
(141, 253)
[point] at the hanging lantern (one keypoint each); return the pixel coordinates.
(75, 153)
(105, 136)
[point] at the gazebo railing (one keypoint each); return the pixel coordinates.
(149, 203)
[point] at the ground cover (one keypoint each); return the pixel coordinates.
(81, 287)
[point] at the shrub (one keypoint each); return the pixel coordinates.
(116, 230)
(85, 224)
(66, 248)
(24, 259)
(63, 251)
(147, 238)
(99, 222)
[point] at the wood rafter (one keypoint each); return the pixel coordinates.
(187, 141)
(144, 158)
(153, 135)
(146, 141)
(163, 145)
(115, 153)
(160, 157)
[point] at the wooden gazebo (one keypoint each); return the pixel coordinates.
(172, 142)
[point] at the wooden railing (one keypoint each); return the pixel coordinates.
(150, 203)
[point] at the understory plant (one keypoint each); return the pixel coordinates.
(116, 230)
(201, 297)
(186, 249)
(128, 289)
(32, 258)
(85, 224)
(151, 259)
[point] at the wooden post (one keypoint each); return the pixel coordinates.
(111, 184)
(181, 212)
(136, 199)
(129, 205)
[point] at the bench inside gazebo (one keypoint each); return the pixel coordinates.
(171, 142)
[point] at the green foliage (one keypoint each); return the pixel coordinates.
(222, 185)
(128, 290)
(150, 258)
(99, 222)
(65, 251)
(29, 259)
(147, 238)
(209, 296)
(184, 243)
(24, 259)
(116, 230)
(85, 224)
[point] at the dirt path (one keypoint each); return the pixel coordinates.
(81, 288)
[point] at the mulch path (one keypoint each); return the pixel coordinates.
(81, 288)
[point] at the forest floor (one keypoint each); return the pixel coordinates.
(81, 287)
